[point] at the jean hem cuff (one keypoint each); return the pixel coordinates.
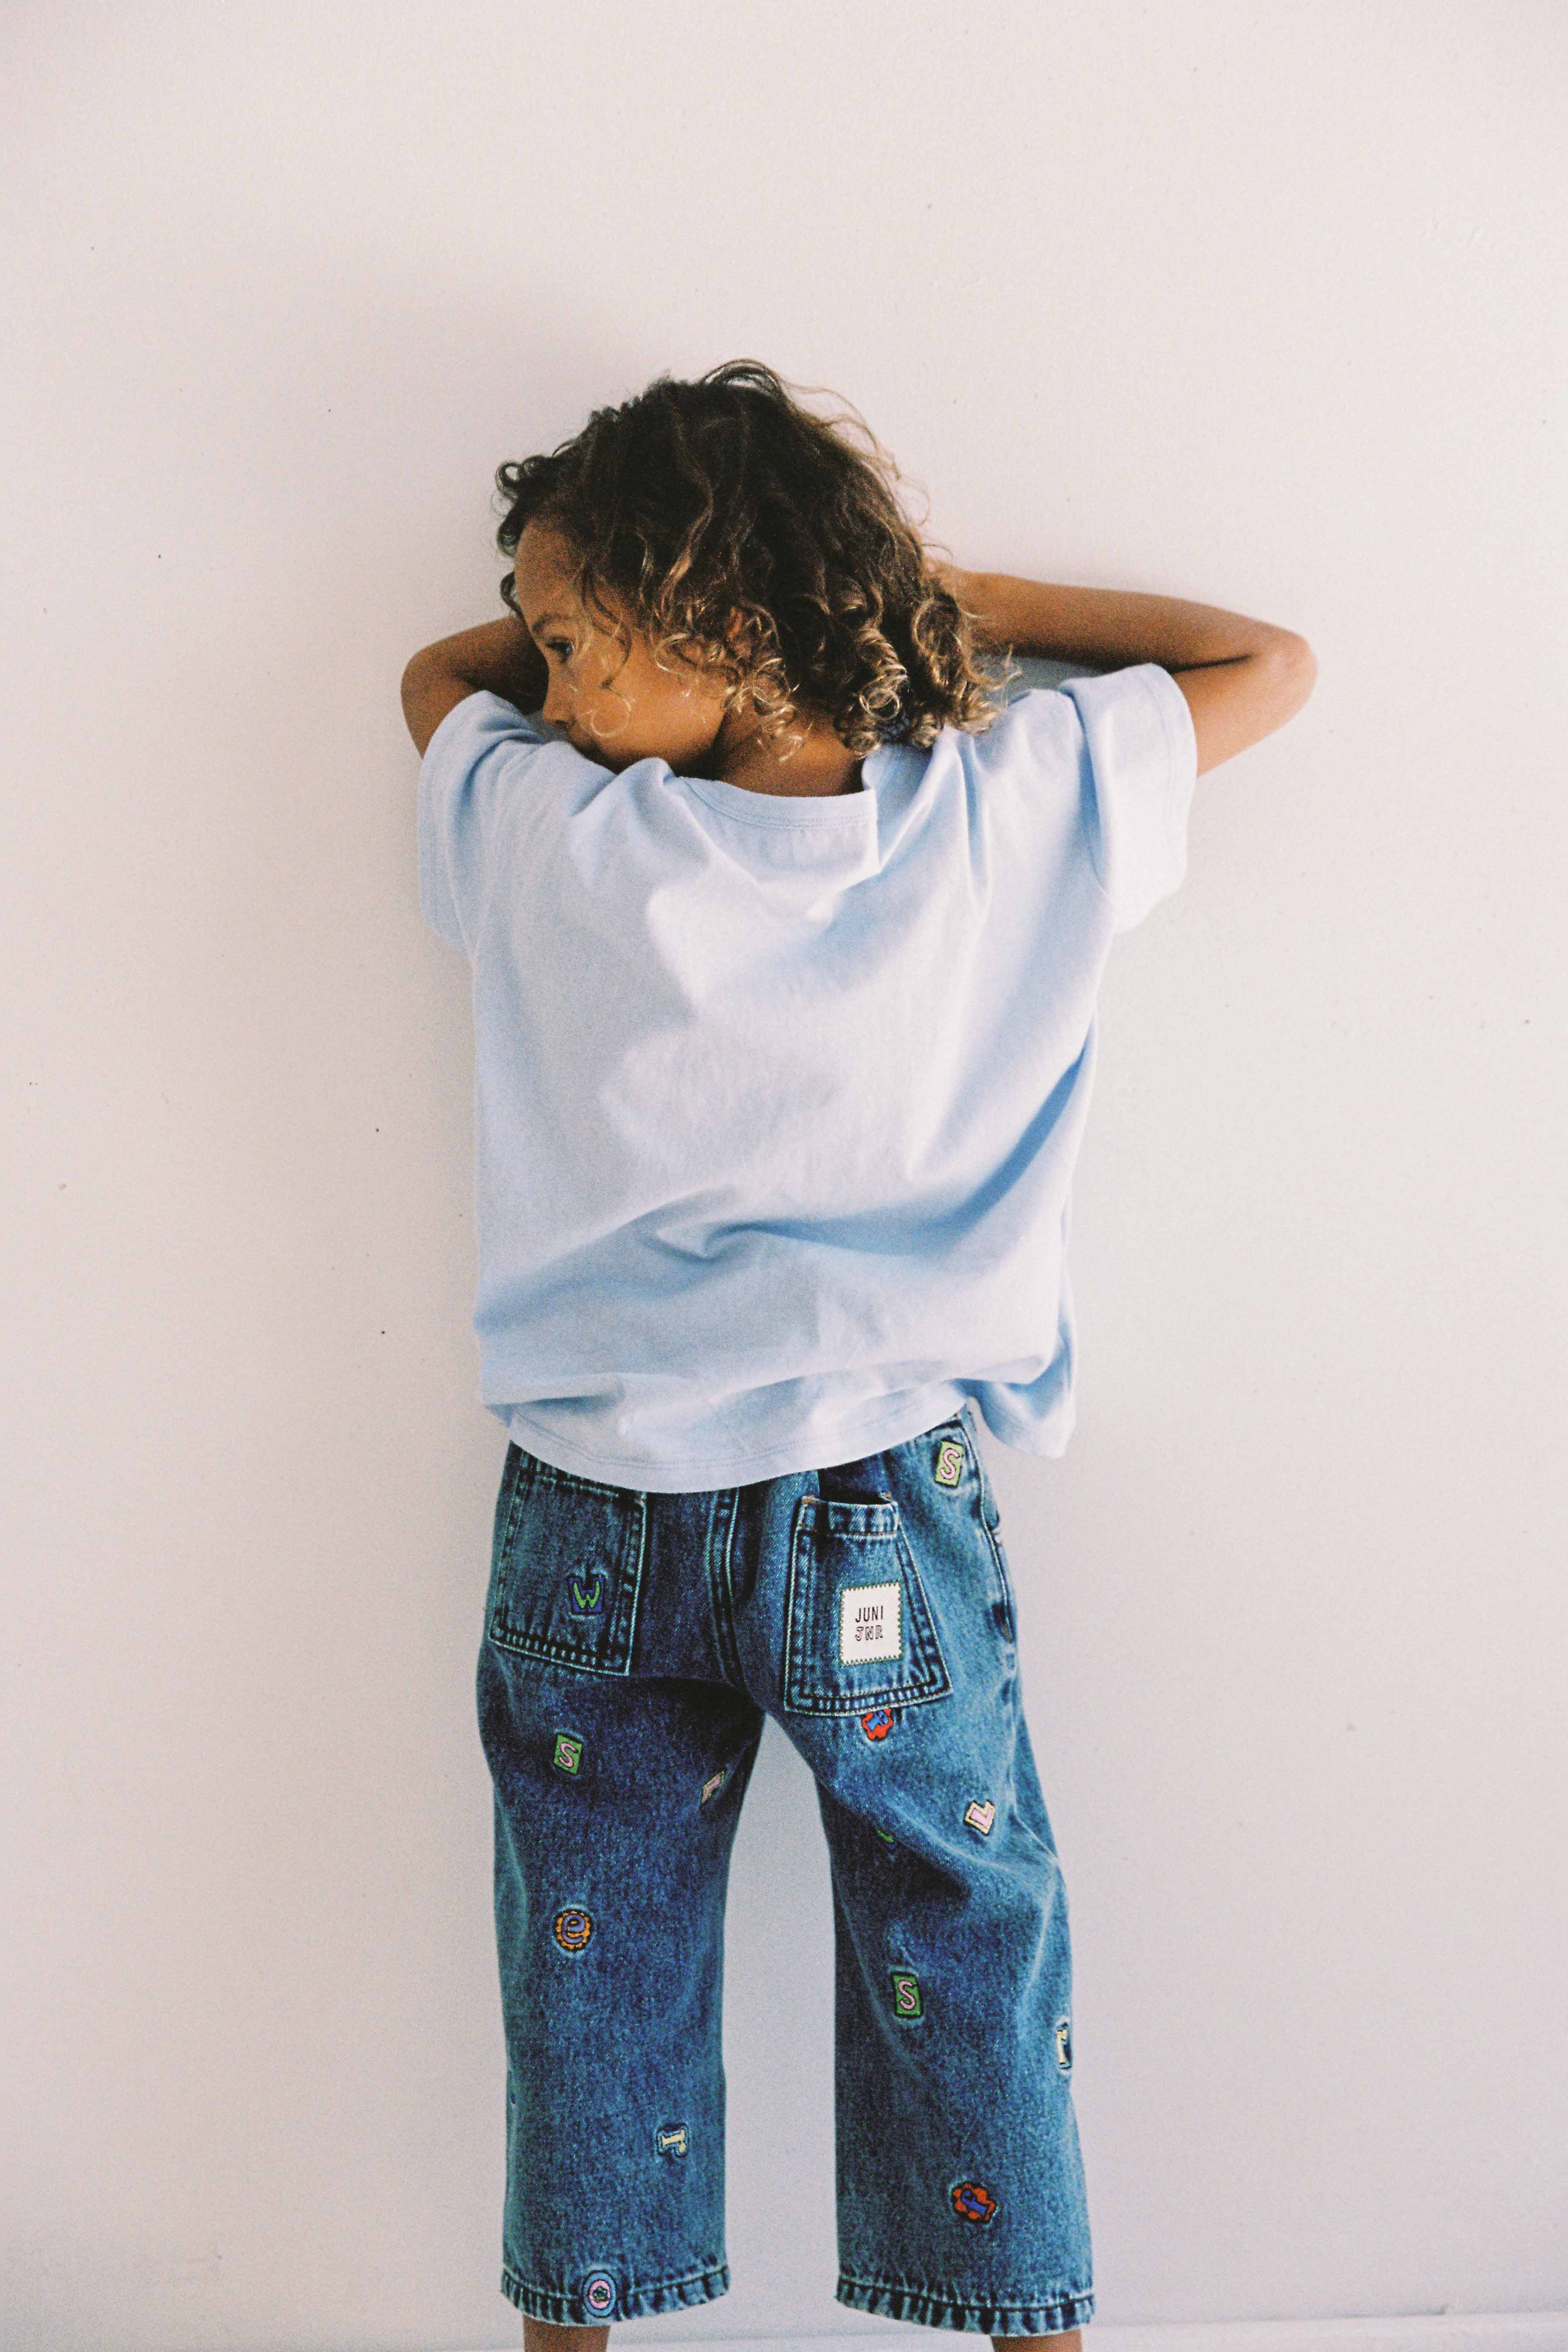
(631, 2302)
(1050, 2315)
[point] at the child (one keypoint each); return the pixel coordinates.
(785, 932)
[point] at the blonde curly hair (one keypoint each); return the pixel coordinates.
(752, 542)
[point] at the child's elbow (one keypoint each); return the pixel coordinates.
(1295, 661)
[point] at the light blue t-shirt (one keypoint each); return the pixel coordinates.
(777, 1100)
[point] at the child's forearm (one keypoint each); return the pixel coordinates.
(1109, 628)
(498, 656)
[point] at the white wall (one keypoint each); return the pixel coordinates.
(1259, 305)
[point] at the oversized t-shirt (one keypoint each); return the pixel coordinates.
(777, 1100)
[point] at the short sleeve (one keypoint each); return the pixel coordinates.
(471, 770)
(1138, 764)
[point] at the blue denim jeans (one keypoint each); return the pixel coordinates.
(634, 1643)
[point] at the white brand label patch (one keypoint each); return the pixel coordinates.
(870, 1622)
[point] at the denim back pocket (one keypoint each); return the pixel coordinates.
(567, 1568)
(857, 1630)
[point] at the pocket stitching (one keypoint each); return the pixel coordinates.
(926, 1650)
(615, 1655)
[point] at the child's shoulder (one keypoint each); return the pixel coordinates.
(1035, 719)
(1043, 715)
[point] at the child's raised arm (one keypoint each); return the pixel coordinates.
(498, 656)
(1242, 678)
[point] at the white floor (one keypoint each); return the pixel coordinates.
(1511, 2331)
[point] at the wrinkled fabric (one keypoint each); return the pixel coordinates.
(635, 1643)
(778, 1099)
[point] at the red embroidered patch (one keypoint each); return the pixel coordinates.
(973, 2202)
(878, 1723)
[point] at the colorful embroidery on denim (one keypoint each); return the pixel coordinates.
(973, 2201)
(573, 1927)
(907, 2002)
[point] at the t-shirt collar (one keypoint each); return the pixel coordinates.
(793, 811)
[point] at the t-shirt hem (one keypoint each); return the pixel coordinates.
(437, 901)
(1180, 757)
(942, 1401)
(435, 897)
(1046, 1438)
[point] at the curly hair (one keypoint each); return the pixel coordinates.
(750, 541)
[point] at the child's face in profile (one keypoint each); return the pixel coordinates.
(647, 712)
